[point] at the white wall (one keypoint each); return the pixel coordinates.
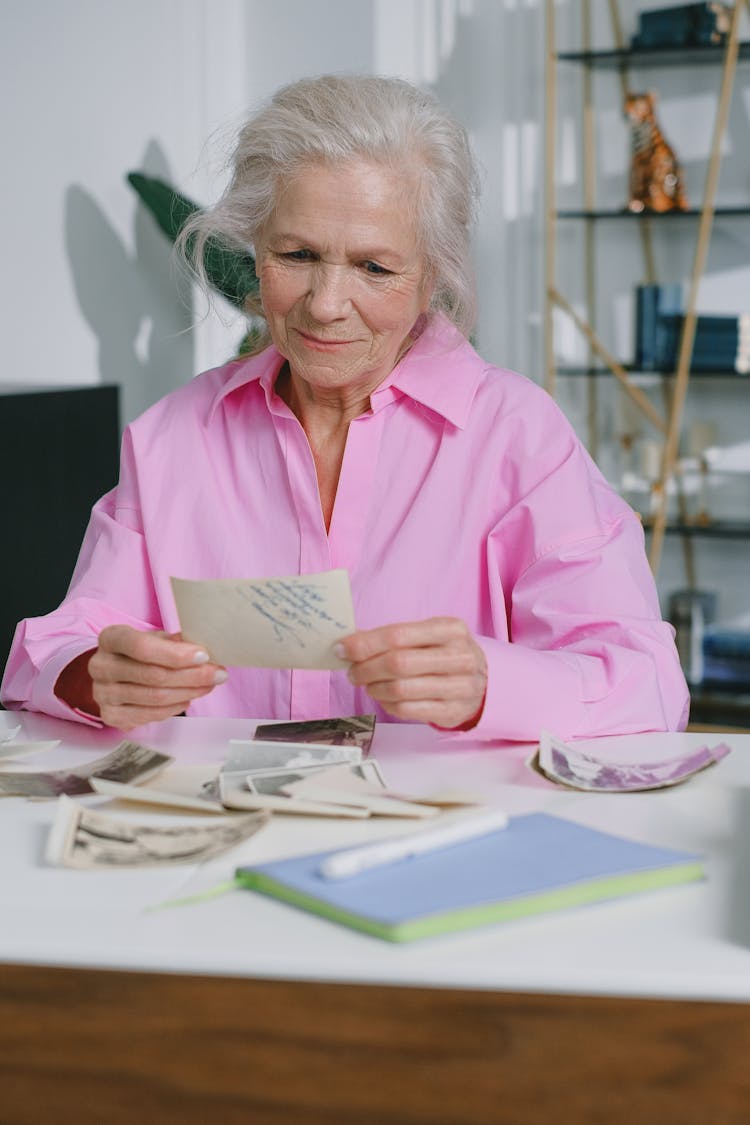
(95, 93)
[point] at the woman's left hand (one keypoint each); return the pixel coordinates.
(430, 671)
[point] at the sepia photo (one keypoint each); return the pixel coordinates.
(129, 761)
(353, 730)
(83, 838)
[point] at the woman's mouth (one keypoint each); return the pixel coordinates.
(321, 343)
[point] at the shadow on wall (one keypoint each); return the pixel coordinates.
(489, 71)
(133, 298)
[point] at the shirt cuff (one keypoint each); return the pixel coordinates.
(528, 691)
(43, 696)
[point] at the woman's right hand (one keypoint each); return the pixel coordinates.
(137, 677)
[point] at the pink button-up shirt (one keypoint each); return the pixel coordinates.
(463, 492)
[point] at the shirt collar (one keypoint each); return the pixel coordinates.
(262, 368)
(441, 371)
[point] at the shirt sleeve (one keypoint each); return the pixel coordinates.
(111, 584)
(585, 659)
(587, 653)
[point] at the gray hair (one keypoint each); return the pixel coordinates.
(339, 118)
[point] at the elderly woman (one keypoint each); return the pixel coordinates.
(499, 585)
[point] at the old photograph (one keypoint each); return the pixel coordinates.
(353, 730)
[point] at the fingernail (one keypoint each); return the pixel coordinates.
(221, 676)
(200, 657)
(339, 650)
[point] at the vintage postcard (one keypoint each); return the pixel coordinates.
(84, 838)
(290, 622)
(351, 730)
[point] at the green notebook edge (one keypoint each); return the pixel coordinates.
(468, 918)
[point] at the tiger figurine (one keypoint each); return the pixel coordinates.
(656, 180)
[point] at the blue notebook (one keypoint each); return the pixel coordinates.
(537, 864)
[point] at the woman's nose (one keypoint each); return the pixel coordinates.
(328, 296)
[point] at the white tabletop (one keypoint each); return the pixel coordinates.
(686, 942)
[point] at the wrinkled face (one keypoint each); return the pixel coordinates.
(342, 280)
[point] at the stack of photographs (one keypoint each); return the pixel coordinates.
(319, 767)
(256, 774)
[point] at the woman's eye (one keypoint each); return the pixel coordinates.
(299, 255)
(374, 268)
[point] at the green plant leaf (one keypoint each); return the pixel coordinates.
(230, 270)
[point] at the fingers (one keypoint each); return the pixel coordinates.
(140, 677)
(428, 671)
(169, 651)
(112, 668)
(405, 635)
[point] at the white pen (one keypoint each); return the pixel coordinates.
(343, 865)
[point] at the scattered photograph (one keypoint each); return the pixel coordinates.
(10, 751)
(353, 730)
(251, 755)
(162, 798)
(127, 762)
(83, 838)
(570, 766)
(273, 781)
(235, 794)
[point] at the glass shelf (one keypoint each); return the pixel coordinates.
(716, 529)
(652, 56)
(639, 373)
(660, 216)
